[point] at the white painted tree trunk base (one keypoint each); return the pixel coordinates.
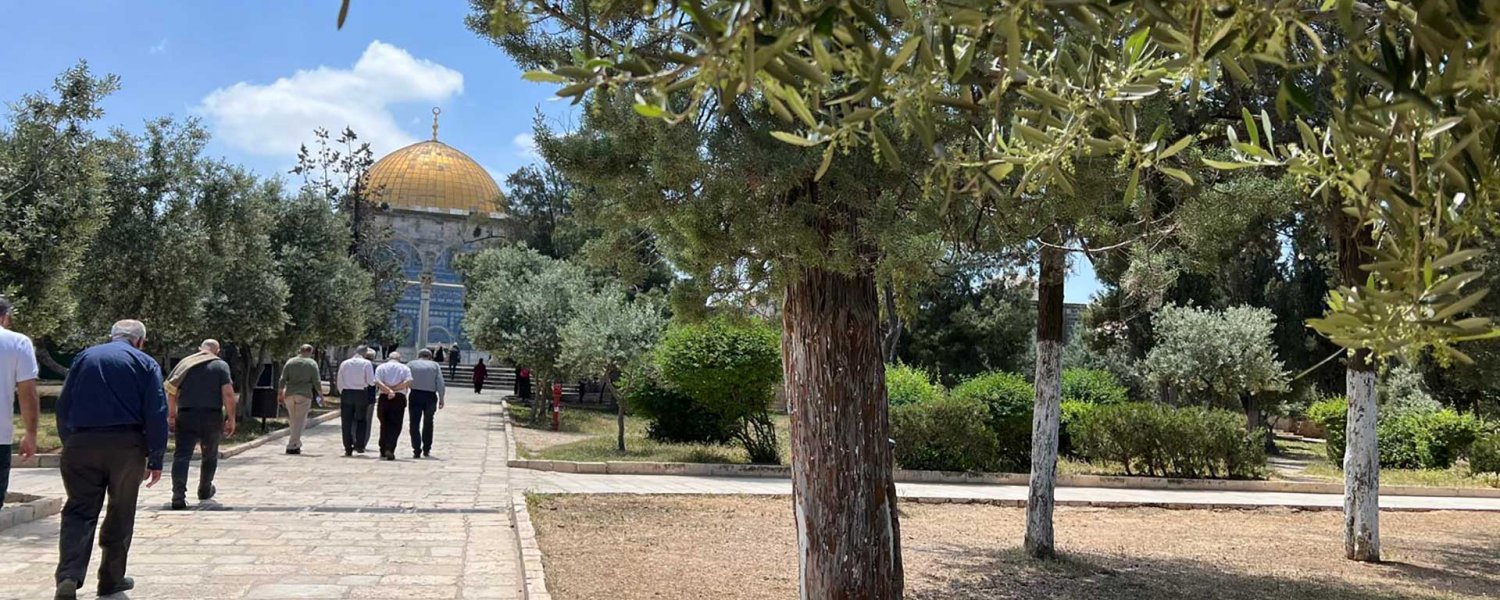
(1362, 470)
(1045, 418)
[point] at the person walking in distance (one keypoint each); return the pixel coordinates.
(394, 379)
(354, 376)
(480, 372)
(300, 381)
(440, 355)
(372, 394)
(455, 358)
(112, 418)
(428, 391)
(523, 384)
(18, 372)
(200, 411)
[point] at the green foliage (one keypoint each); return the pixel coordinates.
(609, 332)
(731, 369)
(1401, 390)
(51, 197)
(1008, 400)
(1092, 386)
(310, 242)
(519, 304)
(1215, 354)
(959, 330)
(1158, 440)
(1073, 413)
(1484, 456)
(906, 385)
(944, 434)
(674, 415)
(1409, 440)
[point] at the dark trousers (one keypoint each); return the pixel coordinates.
(196, 428)
(354, 409)
(421, 411)
(4, 472)
(391, 410)
(96, 465)
(364, 436)
(478, 384)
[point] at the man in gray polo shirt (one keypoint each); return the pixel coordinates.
(427, 393)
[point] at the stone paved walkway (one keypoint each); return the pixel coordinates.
(318, 525)
(575, 483)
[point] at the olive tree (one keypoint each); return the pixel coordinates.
(1222, 357)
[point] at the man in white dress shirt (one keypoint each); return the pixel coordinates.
(17, 374)
(393, 379)
(354, 376)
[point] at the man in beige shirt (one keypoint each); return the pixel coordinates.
(300, 381)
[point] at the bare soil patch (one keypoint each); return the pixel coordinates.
(743, 548)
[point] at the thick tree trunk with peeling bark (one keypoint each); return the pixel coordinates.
(848, 536)
(1361, 463)
(1046, 413)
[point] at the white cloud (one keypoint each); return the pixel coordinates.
(274, 119)
(525, 144)
(160, 47)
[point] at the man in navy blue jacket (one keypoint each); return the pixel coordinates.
(112, 418)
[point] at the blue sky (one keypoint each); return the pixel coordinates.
(261, 74)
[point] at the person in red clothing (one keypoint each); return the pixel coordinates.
(480, 372)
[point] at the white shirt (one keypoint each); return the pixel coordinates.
(356, 374)
(393, 373)
(17, 364)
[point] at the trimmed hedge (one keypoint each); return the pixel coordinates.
(1484, 457)
(944, 434)
(1162, 441)
(1407, 440)
(1093, 386)
(1008, 399)
(674, 416)
(907, 385)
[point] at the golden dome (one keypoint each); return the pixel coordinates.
(430, 175)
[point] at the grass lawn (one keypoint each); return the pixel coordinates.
(1320, 468)
(744, 548)
(588, 435)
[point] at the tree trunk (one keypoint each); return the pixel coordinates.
(1045, 415)
(1361, 450)
(609, 388)
(44, 356)
(891, 342)
(848, 535)
(1361, 463)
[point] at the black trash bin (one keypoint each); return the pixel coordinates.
(263, 405)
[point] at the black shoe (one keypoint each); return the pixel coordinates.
(67, 589)
(416, 454)
(179, 504)
(427, 453)
(294, 451)
(360, 450)
(348, 452)
(211, 491)
(125, 585)
(391, 456)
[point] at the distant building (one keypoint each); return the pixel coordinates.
(437, 198)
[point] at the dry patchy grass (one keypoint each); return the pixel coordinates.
(743, 548)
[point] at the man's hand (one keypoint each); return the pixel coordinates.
(229, 427)
(152, 476)
(28, 445)
(440, 404)
(171, 423)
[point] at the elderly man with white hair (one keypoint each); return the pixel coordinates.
(394, 379)
(200, 411)
(112, 418)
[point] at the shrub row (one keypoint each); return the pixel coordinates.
(1159, 440)
(1432, 439)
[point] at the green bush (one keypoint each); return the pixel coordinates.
(1484, 456)
(729, 368)
(1073, 411)
(1159, 440)
(1094, 386)
(1407, 440)
(674, 416)
(1008, 399)
(944, 434)
(906, 385)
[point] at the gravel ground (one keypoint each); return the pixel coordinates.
(727, 547)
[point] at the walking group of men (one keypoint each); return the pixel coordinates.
(116, 412)
(389, 392)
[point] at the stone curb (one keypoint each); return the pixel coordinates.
(33, 509)
(274, 435)
(533, 577)
(906, 476)
(1021, 503)
(40, 461)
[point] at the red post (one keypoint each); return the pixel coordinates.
(556, 406)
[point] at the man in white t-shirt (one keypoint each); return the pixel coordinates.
(17, 376)
(394, 379)
(354, 376)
